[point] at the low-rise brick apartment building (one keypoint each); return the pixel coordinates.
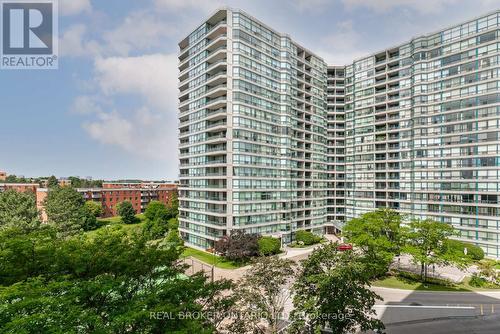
(20, 187)
(139, 194)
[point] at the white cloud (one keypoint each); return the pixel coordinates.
(153, 77)
(422, 6)
(86, 105)
(112, 129)
(311, 5)
(74, 43)
(207, 6)
(343, 46)
(140, 31)
(149, 131)
(73, 7)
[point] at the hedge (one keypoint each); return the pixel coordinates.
(308, 238)
(475, 252)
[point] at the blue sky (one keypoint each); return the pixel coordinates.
(109, 111)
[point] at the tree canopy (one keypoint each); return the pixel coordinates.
(332, 290)
(95, 208)
(239, 246)
(112, 282)
(52, 182)
(18, 209)
(426, 243)
(261, 295)
(126, 212)
(379, 235)
(66, 210)
(77, 182)
(173, 205)
(157, 216)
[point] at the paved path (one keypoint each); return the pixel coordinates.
(195, 265)
(451, 273)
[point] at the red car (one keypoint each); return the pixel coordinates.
(344, 247)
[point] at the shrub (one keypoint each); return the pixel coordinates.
(477, 281)
(269, 246)
(412, 277)
(308, 238)
(474, 252)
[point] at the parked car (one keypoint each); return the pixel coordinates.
(344, 247)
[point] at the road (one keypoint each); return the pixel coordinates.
(486, 310)
(486, 306)
(481, 325)
(408, 297)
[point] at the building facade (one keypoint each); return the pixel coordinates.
(252, 132)
(422, 127)
(139, 194)
(19, 187)
(273, 140)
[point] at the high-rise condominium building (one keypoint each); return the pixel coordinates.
(272, 140)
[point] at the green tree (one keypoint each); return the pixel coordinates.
(11, 179)
(126, 212)
(66, 210)
(379, 236)
(426, 243)
(157, 216)
(157, 211)
(174, 238)
(18, 209)
(52, 182)
(110, 282)
(332, 289)
(269, 245)
(261, 296)
(173, 205)
(75, 182)
(25, 254)
(15, 179)
(95, 208)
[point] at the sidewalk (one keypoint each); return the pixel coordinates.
(294, 254)
(451, 273)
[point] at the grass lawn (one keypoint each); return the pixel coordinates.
(208, 258)
(406, 284)
(395, 282)
(117, 219)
